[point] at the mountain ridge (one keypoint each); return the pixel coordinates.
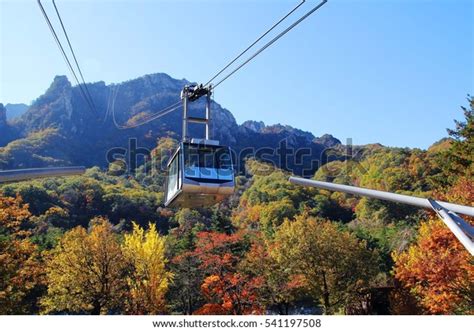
(89, 132)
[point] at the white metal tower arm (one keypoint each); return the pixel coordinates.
(8, 176)
(445, 210)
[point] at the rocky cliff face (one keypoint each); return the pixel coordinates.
(51, 109)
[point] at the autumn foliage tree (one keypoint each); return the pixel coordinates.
(148, 278)
(335, 264)
(86, 272)
(280, 287)
(438, 270)
(226, 290)
(20, 268)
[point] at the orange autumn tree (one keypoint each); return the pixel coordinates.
(226, 290)
(20, 271)
(438, 270)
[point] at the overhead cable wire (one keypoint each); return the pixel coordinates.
(159, 115)
(177, 105)
(271, 42)
(66, 59)
(147, 119)
(110, 97)
(255, 42)
(86, 95)
(74, 56)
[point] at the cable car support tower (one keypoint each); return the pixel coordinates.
(191, 93)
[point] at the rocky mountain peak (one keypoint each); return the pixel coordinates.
(255, 126)
(59, 83)
(3, 115)
(327, 140)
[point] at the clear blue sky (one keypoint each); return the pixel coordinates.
(393, 72)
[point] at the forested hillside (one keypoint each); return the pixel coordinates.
(103, 243)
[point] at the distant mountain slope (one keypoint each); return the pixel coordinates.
(3, 116)
(7, 132)
(15, 110)
(89, 133)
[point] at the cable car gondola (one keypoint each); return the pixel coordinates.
(200, 171)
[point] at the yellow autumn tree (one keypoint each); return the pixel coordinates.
(86, 272)
(148, 278)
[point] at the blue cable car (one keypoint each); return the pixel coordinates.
(199, 174)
